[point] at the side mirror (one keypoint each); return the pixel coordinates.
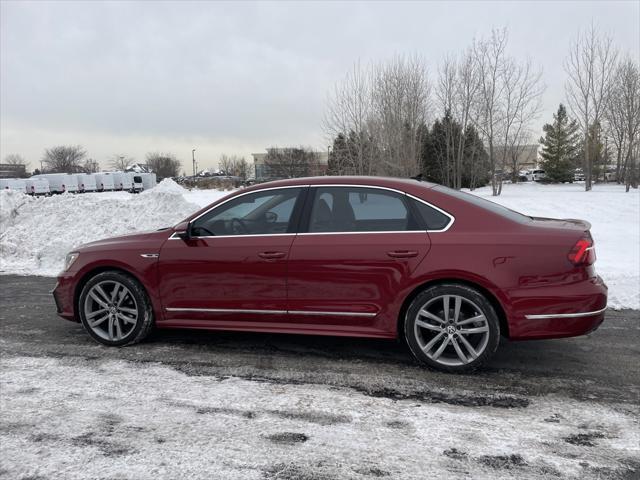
(183, 230)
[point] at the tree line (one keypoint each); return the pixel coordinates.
(484, 102)
(74, 159)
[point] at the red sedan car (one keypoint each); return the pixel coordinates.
(355, 256)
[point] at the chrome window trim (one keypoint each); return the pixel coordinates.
(271, 312)
(451, 217)
(564, 315)
(174, 237)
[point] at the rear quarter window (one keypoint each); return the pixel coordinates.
(485, 204)
(433, 219)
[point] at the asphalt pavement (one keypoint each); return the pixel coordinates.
(601, 367)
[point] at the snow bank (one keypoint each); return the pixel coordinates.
(37, 233)
(615, 219)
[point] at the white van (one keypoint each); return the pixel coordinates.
(86, 182)
(148, 180)
(132, 182)
(118, 180)
(37, 186)
(17, 184)
(60, 182)
(104, 182)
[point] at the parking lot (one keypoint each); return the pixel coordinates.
(295, 405)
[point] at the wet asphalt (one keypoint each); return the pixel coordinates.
(601, 367)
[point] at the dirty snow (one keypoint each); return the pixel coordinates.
(80, 418)
(615, 219)
(36, 234)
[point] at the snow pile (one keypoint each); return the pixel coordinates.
(37, 233)
(92, 419)
(615, 226)
(166, 186)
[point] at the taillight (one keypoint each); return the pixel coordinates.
(33, 189)
(63, 188)
(583, 252)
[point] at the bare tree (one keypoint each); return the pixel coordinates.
(520, 106)
(509, 100)
(234, 165)
(64, 159)
(349, 113)
(15, 159)
(401, 96)
(590, 67)
(90, 166)
(120, 162)
(490, 56)
(291, 162)
(165, 165)
(457, 92)
(623, 119)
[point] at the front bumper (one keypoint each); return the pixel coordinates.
(63, 295)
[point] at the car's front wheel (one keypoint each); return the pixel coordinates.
(115, 309)
(452, 328)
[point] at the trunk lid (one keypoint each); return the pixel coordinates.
(568, 223)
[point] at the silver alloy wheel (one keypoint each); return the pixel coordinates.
(451, 330)
(110, 310)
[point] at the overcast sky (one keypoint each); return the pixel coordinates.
(235, 78)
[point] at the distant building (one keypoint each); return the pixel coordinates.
(527, 156)
(8, 170)
(264, 171)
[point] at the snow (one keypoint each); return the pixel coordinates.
(615, 219)
(36, 233)
(80, 418)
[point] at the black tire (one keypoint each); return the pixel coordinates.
(144, 320)
(418, 338)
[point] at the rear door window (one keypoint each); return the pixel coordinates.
(357, 209)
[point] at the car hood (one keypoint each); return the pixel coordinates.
(148, 240)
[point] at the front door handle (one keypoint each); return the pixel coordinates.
(402, 253)
(271, 255)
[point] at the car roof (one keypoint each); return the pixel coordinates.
(389, 182)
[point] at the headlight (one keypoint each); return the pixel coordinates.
(68, 261)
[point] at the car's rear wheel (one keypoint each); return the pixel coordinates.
(452, 328)
(115, 309)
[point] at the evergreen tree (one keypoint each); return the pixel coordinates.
(439, 150)
(560, 147)
(338, 157)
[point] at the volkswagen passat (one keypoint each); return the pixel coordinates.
(446, 271)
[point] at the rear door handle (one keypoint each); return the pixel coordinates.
(402, 253)
(271, 255)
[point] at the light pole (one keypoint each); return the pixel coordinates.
(193, 159)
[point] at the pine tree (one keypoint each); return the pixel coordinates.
(338, 157)
(560, 147)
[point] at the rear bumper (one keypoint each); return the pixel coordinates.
(556, 312)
